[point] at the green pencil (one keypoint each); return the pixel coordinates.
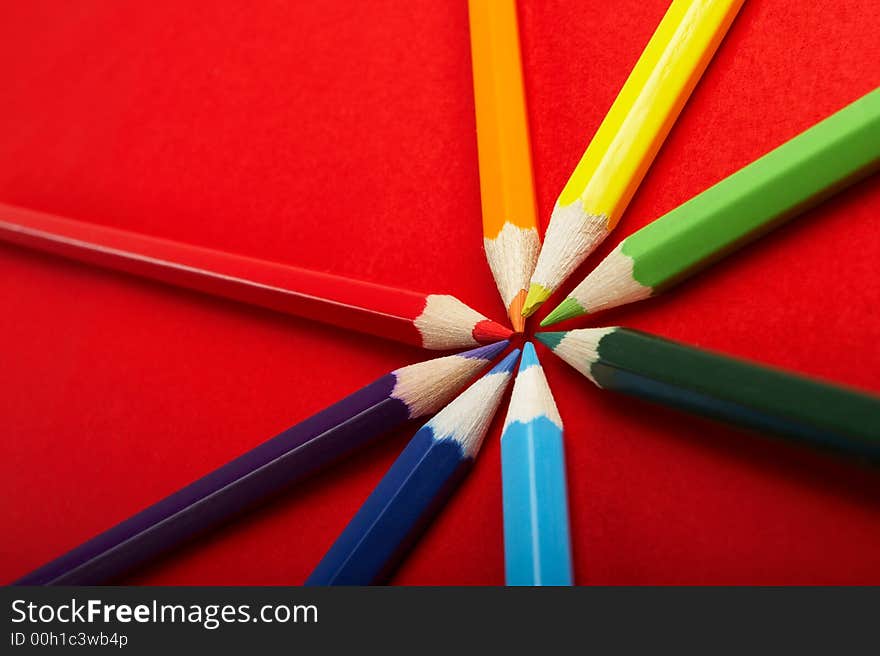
(800, 173)
(725, 388)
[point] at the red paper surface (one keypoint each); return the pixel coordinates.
(340, 136)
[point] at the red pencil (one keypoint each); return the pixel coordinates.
(433, 321)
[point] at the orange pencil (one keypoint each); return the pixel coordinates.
(510, 223)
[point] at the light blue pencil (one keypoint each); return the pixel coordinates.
(537, 548)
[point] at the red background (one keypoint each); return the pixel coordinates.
(341, 138)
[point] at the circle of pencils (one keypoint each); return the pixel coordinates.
(824, 159)
(432, 321)
(416, 487)
(722, 387)
(831, 155)
(611, 169)
(268, 469)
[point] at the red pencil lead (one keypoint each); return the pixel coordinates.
(489, 331)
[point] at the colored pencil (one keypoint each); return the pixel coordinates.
(416, 487)
(407, 393)
(797, 175)
(507, 189)
(733, 390)
(432, 321)
(537, 549)
(626, 142)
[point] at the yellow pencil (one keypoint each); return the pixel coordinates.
(510, 223)
(626, 142)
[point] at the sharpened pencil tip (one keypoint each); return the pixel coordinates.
(535, 299)
(529, 357)
(507, 365)
(568, 309)
(488, 352)
(489, 331)
(551, 339)
(517, 320)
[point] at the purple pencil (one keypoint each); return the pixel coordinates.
(406, 393)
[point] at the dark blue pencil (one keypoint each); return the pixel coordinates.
(416, 487)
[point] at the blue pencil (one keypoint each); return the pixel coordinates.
(537, 548)
(416, 487)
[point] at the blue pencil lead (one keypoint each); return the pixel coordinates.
(507, 365)
(529, 357)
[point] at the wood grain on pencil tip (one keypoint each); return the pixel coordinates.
(624, 146)
(407, 393)
(507, 190)
(828, 157)
(432, 321)
(416, 487)
(718, 386)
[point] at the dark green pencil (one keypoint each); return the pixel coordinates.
(722, 387)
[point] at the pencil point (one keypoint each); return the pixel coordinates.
(529, 357)
(535, 299)
(517, 320)
(488, 352)
(551, 339)
(507, 364)
(568, 309)
(489, 331)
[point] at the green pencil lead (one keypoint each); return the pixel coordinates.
(551, 339)
(568, 309)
